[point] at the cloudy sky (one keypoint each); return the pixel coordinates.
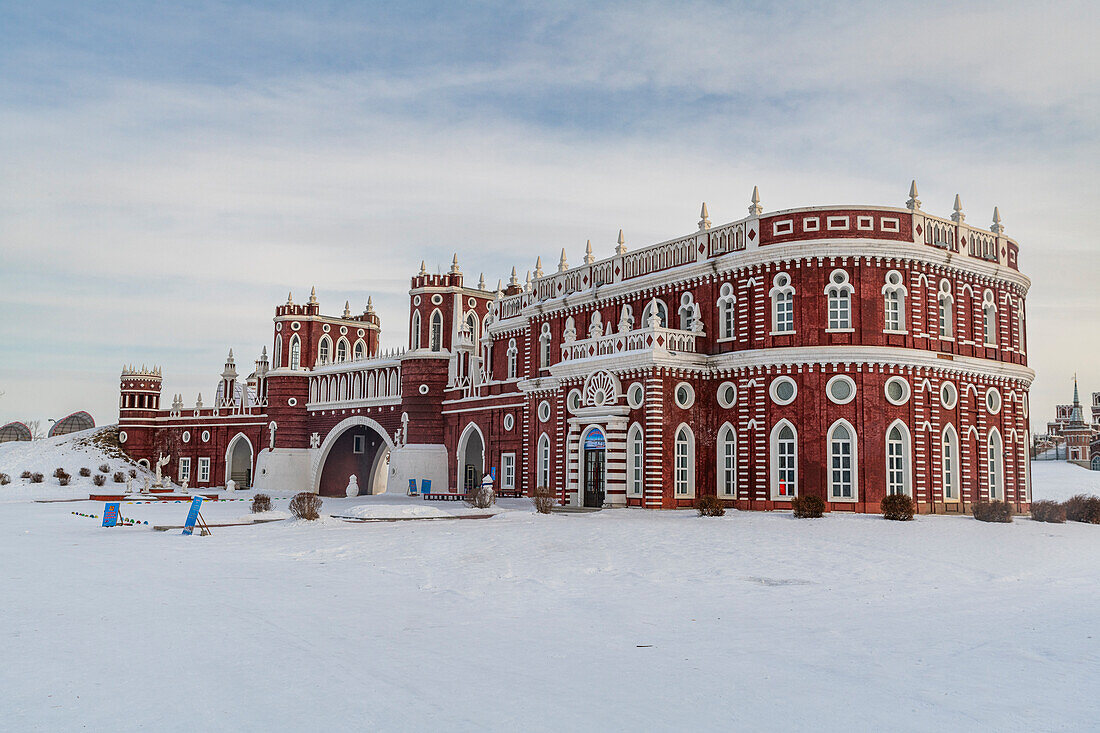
(168, 171)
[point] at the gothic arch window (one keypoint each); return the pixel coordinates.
(995, 459)
(360, 350)
(898, 459)
(474, 326)
(784, 460)
(342, 349)
(686, 311)
(635, 461)
(543, 477)
(947, 309)
(414, 336)
(727, 461)
(544, 346)
(513, 359)
(324, 350)
(839, 293)
(989, 318)
(843, 472)
(949, 463)
(684, 463)
(277, 361)
(893, 293)
(295, 352)
(661, 312)
(726, 311)
(782, 295)
(437, 330)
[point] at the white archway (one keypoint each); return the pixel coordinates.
(232, 457)
(377, 477)
(469, 431)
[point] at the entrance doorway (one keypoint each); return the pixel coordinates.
(471, 459)
(360, 451)
(239, 462)
(595, 449)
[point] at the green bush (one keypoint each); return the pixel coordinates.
(1048, 511)
(898, 507)
(808, 507)
(991, 511)
(710, 506)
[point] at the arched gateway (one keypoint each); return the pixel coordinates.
(356, 446)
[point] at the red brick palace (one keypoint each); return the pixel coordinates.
(846, 352)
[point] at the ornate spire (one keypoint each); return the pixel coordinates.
(704, 220)
(454, 266)
(538, 267)
(289, 298)
(958, 217)
(527, 284)
(620, 248)
(513, 280)
(481, 282)
(423, 268)
(370, 305)
(998, 227)
(563, 265)
(756, 209)
(313, 296)
(913, 202)
(589, 258)
(347, 309)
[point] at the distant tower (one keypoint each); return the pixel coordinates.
(140, 390)
(1077, 432)
(228, 385)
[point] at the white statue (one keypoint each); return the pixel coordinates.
(184, 486)
(353, 486)
(271, 428)
(230, 485)
(595, 330)
(404, 428)
(161, 461)
(129, 484)
(146, 489)
(569, 334)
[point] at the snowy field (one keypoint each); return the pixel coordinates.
(617, 620)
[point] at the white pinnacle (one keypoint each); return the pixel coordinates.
(913, 202)
(313, 296)
(289, 298)
(423, 267)
(998, 227)
(481, 282)
(454, 265)
(538, 267)
(958, 217)
(562, 264)
(512, 281)
(588, 257)
(756, 208)
(704, 220)
(620, 248)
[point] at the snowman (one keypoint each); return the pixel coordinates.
(353, 486)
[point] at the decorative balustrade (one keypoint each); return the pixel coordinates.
(367, 381)
(982, 245)
(725, 239)
(660, 257)
(642, 339)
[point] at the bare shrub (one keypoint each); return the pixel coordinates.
(104, 468)
(37, 478)
(59, 472)
(991, 511)
(85, 472)
(544, 499)
(5, 479)
(63, 479)
(482, 497)
(119, 477)
(99, 479)
(133, 473)
(808, 507)
(1048, 511)
(710, 506)
(306, 506)
(898, 507)
(1083, 508)
(261, 503)
(25, 474)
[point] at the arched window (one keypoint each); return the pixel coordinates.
(894, 293)
(414, 336)
(295, 352)
(726, 304)
(661, 312)
(324, 350)
(727, 461)
(995, 457)
(843, 481)
(513, 359)
(989, 318)
(543, 478)
(782, 294)
(342, 350)
(360, 350)
(635, 461)
(437, 331)
(544, 346)
(946, 309)
(839, 292)
(949, 460)
(784, 461)
(687, 310)
(277, 360)
(474, 326)
(684, 463)
(897, 459)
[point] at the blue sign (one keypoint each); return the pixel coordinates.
(425, 485)
(192, 516)
(595, 441)
(110, 514)
(412, 487)
(493, 473)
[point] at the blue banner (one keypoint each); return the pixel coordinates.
(192, 516)
(110, 514)
(595, 441)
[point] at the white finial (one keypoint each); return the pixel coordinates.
(263, 354)
(423, 267)
(913, 202)
(620, 247)
(289, 298)
(704, 220)
(562, 264)
(347, 309)
(454, 265)
(370, 304)
(231, 355)
(538, 267)
(513, 280)
(313, 296)
(481, 282)
(959, 217)
(500, 289)
(756, 208)
(588, 256)
(527, 283)
(998, 227)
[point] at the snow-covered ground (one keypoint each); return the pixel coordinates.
(617, 620)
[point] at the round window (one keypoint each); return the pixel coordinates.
(948, 395)
(897, 391)
(360, 333)
(727, 394)
(838, 277)
(295, 326)
(292, 401)
(684, 395)
(326, 328)
(574, 400)
(784, 390)
(544, 411)
(893, 277)
(423, 389)
(122, 436)
(343, 330)
(841, 389)
(471, 302)
(993, 400)
(635, 396)
(206, 436)
(509, 422)
(782, 280)
(186, 436)
(437, 299)
(279, 326)
(416, 300)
